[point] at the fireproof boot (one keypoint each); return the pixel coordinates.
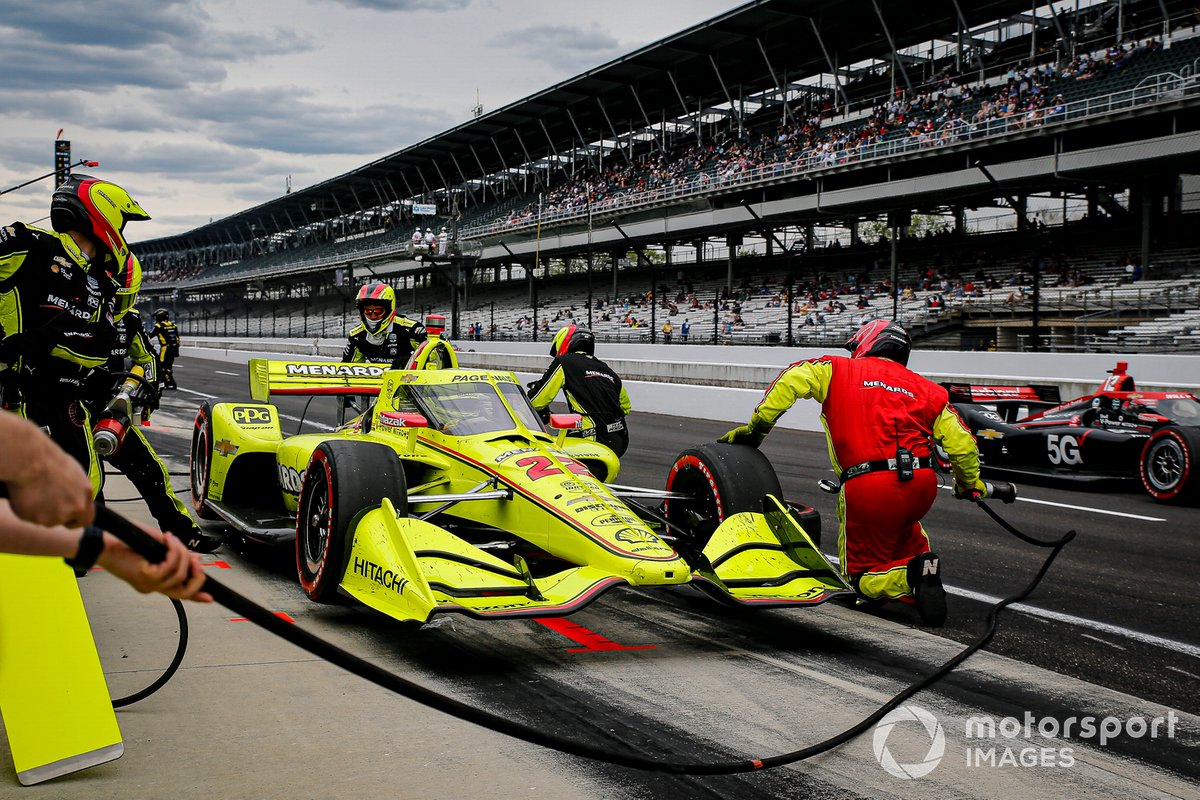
(925, 581)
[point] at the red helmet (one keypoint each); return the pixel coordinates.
(97, 208)
(882, 338)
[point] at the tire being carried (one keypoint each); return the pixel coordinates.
(724, 479)
(344, 480)
(1168, 465)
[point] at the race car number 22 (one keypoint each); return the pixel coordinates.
(540, 467)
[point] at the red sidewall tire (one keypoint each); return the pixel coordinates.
(200, 462)
(1167, 466)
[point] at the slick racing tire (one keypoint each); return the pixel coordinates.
(723, 479)
(200, 461)
(1168, 465)
(344, 481)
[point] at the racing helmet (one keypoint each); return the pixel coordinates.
(97, 208)
(376, 294)
(162, 313)
(881, 338)
(573, 339)
(129, 282)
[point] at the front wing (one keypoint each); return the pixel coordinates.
(410, 569)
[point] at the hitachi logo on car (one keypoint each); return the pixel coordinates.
(384, 577)
(334, 371)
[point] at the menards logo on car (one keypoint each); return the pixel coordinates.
(334, 371)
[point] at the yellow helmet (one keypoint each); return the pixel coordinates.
(377, 294)
(98, 208)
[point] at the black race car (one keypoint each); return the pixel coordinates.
(1116, 433)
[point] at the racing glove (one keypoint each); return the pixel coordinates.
(977, 491)
(751, 434)
(28, 343)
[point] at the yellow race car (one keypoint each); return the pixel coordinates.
(449, 494)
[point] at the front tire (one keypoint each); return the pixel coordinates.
(343, 481)
(200, 461)
(723, 479)
(1168, 467)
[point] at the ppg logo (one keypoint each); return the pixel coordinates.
(252, 415)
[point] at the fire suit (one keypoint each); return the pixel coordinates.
(594, 391)
(167, 335)
(402, 338)
(56, 312)
(136, 459)
(870, 407)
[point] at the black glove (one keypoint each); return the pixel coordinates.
(28, 343)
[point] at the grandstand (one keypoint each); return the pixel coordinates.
(1085, 112)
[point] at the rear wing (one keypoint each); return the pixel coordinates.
(971, 393)
(269, 377)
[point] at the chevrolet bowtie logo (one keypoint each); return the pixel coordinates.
(225, 447)
(988, 433)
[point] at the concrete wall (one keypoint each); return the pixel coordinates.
(725, 383)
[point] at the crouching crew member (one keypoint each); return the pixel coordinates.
(591, 387)
(880, 420)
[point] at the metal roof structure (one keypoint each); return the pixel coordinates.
(757, 46)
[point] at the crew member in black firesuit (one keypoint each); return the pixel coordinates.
(135, 458)
(383, 337)
(592, 388)
(167, 335)
(56, 300)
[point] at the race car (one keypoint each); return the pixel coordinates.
(1114, 434)
(448, 494)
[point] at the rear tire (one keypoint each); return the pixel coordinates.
(1168, 465)
(200, 461)
(343, 481)
(724, 479)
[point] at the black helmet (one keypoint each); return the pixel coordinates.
(882, 338)
(161, 313)
(572, 339)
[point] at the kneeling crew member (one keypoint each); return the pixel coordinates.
(383, 337)
(879, 419)
(134, 457)
(592, 388)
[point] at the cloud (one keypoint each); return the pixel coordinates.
(70, 45)
(408, 5)
(567, 47)
(287, 120)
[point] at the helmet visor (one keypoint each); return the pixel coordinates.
(374, 311)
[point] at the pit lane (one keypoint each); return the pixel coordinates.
(1118, 612)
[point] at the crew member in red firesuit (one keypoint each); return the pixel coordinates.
(881, 420)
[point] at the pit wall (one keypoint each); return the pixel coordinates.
(725, 383)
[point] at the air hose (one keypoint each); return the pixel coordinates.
(154, 551)
(180, 650)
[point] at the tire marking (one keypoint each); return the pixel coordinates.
(592, 642)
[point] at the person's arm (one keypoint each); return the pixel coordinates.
(142, 353)
(546, 388)
(802, 380)
(626, 407)
(954, 437)
(179, 575)
(45, 485)
(351, 353)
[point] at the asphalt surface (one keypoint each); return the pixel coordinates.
(1117, 610)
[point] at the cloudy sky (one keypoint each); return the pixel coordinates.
(202, 109)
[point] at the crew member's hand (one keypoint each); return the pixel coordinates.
(749, 435)
(52, 489)
(972, 493)
(178, 576)
(26, 343)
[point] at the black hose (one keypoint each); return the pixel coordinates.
(121, 702)
(154, 551)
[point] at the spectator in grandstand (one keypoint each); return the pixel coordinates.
(668, 331)
(591, 387)
(882, 421)
(685, 330)
(417, 238)
(382, 336)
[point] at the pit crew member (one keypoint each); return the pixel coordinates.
(591, 387)
(56, 296)
(383, 336)
(167, 335)
(879, 418)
